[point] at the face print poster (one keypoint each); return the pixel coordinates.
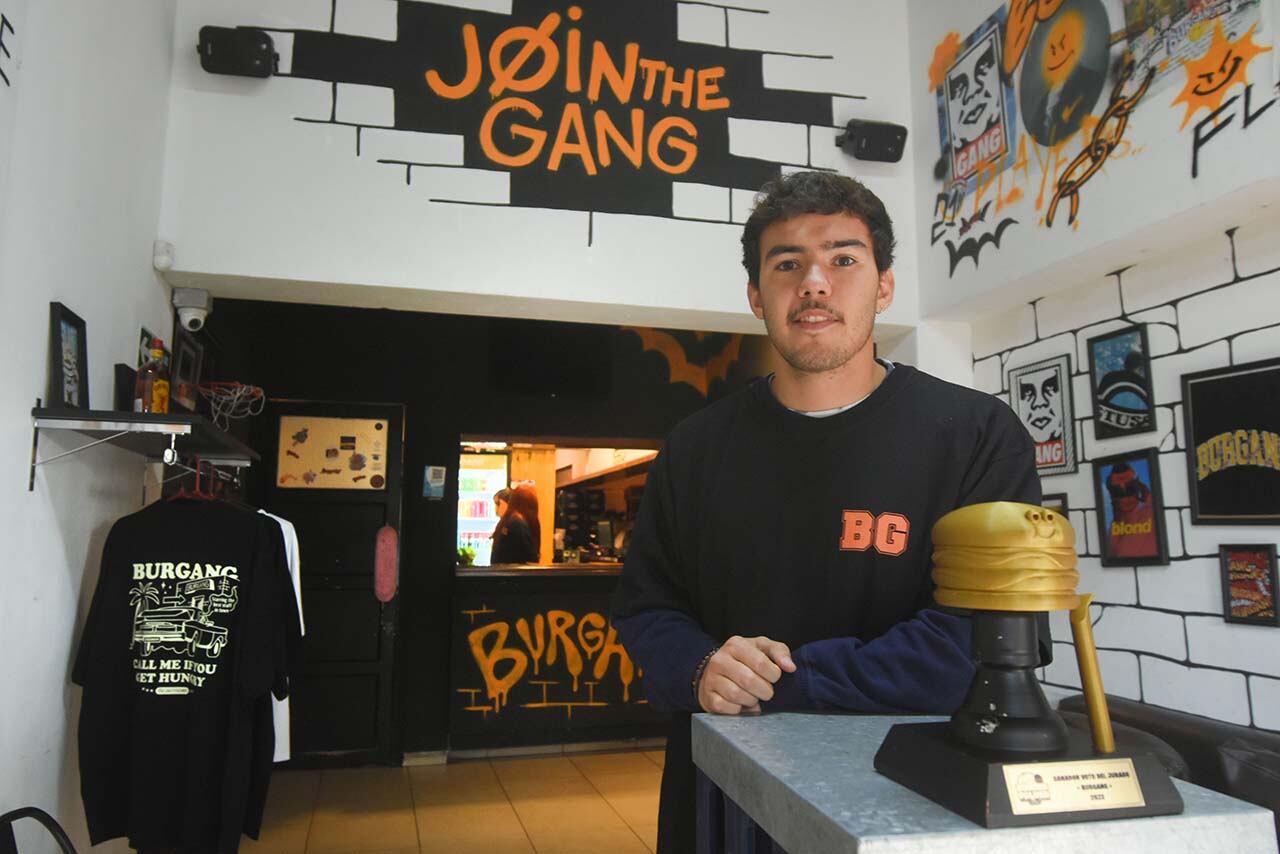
(976, 108)
(1041, 395)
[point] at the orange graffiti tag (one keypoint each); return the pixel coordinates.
(1022, 20)
(560, 635)
(944, 56)
(529, 61)
(1222, 66)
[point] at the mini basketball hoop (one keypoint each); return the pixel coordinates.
(228, 400)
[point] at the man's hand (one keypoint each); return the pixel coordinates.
(741, 674)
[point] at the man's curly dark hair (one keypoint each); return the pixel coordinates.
(821, 193)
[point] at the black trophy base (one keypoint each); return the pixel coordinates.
(972, 783)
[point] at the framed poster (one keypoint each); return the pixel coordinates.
(1232, 421)
(1056, 501)
(331, 453)
(188, 358)
(1130, 510)
(1249, 584)
(68, 384)
(1120, 380)
(977, 106)
(1041, 395)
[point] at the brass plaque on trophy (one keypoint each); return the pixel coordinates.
(1049, 787)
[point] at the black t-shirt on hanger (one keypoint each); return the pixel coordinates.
(193, 624)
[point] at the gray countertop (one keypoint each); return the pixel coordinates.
(808, 781)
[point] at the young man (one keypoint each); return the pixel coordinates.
(781, 558)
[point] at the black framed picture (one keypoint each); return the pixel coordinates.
(1056, 501)
(1232, 421)
(1249, 584)
(188, 359)
(1131, 529)
(68, 385)
(1120, 380)
(1041, 395)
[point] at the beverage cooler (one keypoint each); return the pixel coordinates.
(479, 477)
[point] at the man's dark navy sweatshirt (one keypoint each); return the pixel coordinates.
(757, 520)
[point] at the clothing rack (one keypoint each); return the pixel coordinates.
(206, 472)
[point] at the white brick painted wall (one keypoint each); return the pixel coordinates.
(1222, 644)
(1001, 332)
(699, 201)
(825, 154)
(375, 19)
(783, 142)
(1217, 694)
(742, 202)
(1167, 371)
(365, 105)
(1257, 249)
(987, 375)
(1162, 279)
(1082, 306)
(1164, 637)
(1242, 307)
(702, 24)
(1140, 629)
(463, 185)
(411, 146)
(1111, 584)
(801, 73)
(1254, 346)
(1189, 586)
(1265, 694)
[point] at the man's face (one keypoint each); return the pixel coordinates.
(972, 90)
(819, 289)
(1126, 491)
(1038, 396)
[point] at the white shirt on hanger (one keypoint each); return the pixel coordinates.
(280, 708)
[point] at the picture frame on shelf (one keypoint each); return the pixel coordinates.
(188, 361)
(1056, 501)
(68, 370)
(145, 339)
(1131, 524)
(1249, 584)
(1120, 383)
(1040, 394)
(1231, 420)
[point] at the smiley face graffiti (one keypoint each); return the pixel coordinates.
(1065, 70)
(1224, 64)
(1063, 46)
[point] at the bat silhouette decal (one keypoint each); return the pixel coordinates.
(970, 247)
(681, 369)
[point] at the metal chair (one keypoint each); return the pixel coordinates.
(9, 842)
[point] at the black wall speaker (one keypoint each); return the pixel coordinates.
(873, 140)
(242, 51)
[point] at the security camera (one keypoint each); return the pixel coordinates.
(193, 305)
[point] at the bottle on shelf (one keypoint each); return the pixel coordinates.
(151, 392)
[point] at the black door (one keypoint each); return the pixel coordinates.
(334, 471)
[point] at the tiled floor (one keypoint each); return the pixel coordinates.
(565, 803)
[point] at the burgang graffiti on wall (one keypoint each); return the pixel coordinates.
(594, 106)
(559, 637)
(1224, 65)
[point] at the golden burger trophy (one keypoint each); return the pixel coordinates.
(1005, 759)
